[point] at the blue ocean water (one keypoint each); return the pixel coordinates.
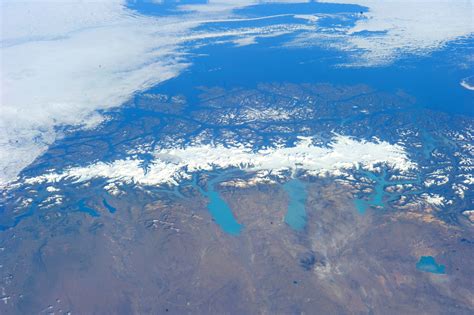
(428, 264)
(296, 215)
(433, 79)
(160, 8)
(312, 7)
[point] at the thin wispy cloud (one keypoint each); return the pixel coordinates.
(393, 29)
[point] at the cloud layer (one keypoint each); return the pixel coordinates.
(64, 61)
(394, 28)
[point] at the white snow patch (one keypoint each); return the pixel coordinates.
(172, 165)
(469, 214)
(52, 189)
(433, 199)
(436, 180)
(113, 189)
(52, 201)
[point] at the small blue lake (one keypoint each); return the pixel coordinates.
(108, 206)
(296, 215)
(84, 208)
(428, 264)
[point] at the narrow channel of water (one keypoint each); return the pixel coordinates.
(376, 199)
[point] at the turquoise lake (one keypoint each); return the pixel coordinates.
(428, 264)
(296, 215)
(220, 210)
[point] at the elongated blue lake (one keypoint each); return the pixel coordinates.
(296, 215)
(219, 209)
(84, 208)
(108, 206)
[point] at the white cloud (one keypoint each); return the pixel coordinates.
(171, 165)
(467, 83)
(405, 26)
(63, 61)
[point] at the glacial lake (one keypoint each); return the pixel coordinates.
(296, 215)
(219, 209)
